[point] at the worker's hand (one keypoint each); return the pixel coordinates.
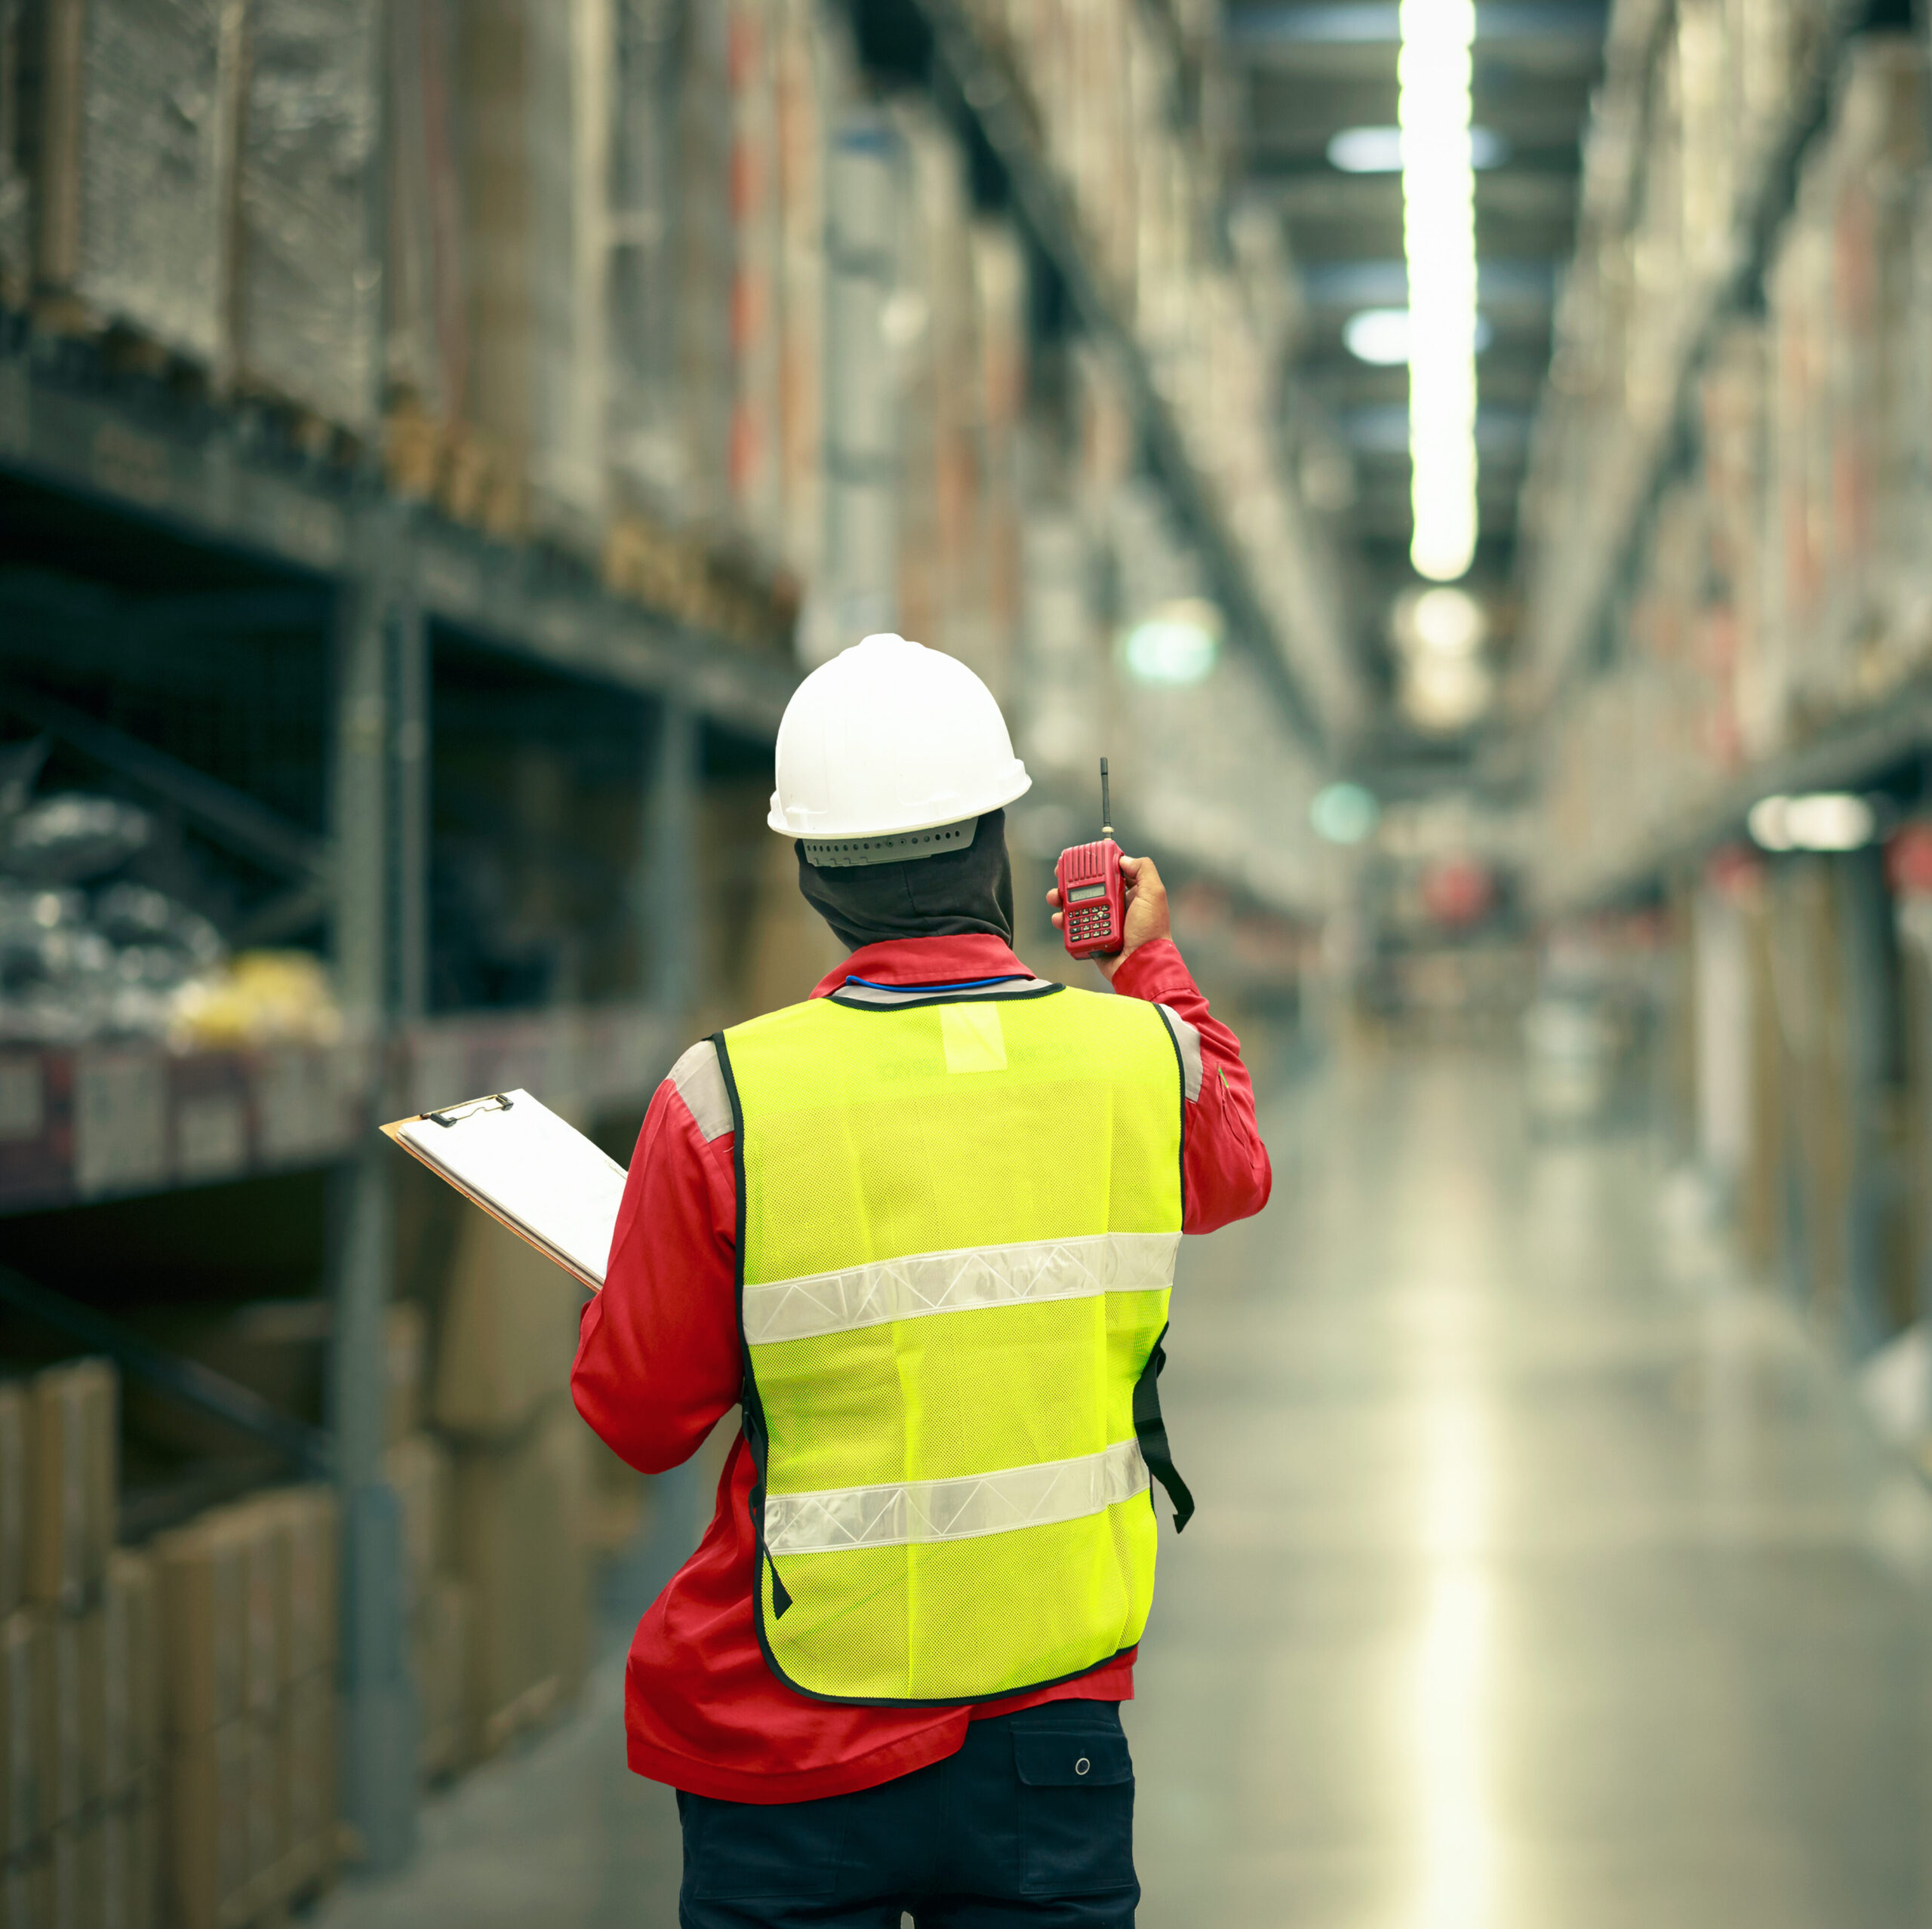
(1146, 912)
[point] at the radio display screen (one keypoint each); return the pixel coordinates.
(1086, 893)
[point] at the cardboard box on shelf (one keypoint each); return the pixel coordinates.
(306, 1782)
(201, 1577)
(519, 1514)
(25, 1902)
(266, 1604)
(309, 1539)
(73, 1450)
(565, 1443)
(16, 1478)
(405, 1360)
(617, 1504)
(131, 1672)
(131, 1858)
(76, 1894)
(212, 1789)
(441, 1641)
(418, 1468)
(26, 1719)
(508, 1334)
(77, 1650)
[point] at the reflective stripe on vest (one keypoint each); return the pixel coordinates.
(959, 1224)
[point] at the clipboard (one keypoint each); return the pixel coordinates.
(529, 1170)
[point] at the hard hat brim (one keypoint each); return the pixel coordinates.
(1013, 784)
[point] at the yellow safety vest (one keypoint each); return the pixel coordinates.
(957, 1221)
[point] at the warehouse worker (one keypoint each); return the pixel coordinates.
(920, 1229)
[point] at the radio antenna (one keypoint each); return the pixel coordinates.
(1106, 809)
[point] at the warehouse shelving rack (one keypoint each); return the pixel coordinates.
(390, 577)
(116, 1121)
(1574, 582)
(1572, 579)
(991, 96)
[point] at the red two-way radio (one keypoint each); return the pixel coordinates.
(1093, 894)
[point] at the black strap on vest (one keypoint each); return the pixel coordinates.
(1151, 1431)
(758, 1444)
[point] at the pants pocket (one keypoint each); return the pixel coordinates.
(1076, 1800)
(742, 1851)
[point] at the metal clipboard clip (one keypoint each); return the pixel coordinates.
(456, 1114)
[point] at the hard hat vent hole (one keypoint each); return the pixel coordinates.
(834, 854)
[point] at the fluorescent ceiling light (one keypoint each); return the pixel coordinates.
(1439, 241)
(1449, 623)
(1828, 820)
(1443, 695)
(1379, 150)
(1177, 646)
(1344, 814)
(1381, 336)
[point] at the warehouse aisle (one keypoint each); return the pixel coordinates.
(1542, 1580)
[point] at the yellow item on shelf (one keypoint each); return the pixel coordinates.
(258, 998)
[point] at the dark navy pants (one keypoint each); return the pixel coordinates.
(1031, 1823)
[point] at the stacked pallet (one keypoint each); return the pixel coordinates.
(247, 1597)
(202, 180)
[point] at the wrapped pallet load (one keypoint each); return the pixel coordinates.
(141, 108)
(534, 85)
(754, 31)
(308, 306)
(705, 269)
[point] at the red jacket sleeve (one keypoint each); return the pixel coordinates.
(658, 1362)
(1224, 1164)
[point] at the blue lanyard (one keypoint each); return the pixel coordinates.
(945, 984)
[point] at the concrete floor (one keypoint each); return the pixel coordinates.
(1544, 1578)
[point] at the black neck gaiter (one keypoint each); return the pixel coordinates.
(948, 896)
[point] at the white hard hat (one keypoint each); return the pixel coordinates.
(888, 738)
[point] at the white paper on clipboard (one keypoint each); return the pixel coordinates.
(518, 1161)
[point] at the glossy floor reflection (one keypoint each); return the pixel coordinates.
(1543, 1579)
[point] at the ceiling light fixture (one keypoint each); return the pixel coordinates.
(1176, 645)
(1449, 623)
(1379, 150)
(1380, 335)
(1439, 239)
(1344, 813)
(1827, 820)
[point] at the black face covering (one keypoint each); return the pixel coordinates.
(957, 892)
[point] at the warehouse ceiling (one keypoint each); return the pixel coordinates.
(1306, 70)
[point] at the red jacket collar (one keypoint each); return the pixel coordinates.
(929, 960)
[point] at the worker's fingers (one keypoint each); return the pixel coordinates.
(1060, 921)
(1053, 896)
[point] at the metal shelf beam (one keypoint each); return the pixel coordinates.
(1856, 750)
(194, 470)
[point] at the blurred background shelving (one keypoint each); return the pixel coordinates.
(434, 440)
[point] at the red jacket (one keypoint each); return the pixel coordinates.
(659, 1363)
